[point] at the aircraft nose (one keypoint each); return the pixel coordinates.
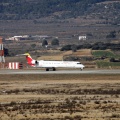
(83, 66)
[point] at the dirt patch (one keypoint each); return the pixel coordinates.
(56, 55)
(60, 97)
(83, 52)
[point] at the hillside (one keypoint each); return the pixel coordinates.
(107, 10)
(99, 20)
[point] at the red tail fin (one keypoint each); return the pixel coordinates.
(29, 59)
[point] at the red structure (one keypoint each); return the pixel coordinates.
(14, 65)
(2, 59)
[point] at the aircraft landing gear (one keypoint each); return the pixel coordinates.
(47, 69)
(54, 69)
(81, 69)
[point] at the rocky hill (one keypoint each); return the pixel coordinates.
(106, 10)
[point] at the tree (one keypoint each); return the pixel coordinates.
(99, 46)
(112, 34)
(33, 45)
(6, 52)
(87, 45)
(66, 47)
(74, 48)
(44, 43)
(112, 59)
(55, 42)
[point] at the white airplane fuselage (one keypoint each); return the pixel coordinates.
(55, 64)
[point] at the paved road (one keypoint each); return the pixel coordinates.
(35, 71)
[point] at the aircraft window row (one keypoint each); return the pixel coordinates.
(78, 63)
(53, 63)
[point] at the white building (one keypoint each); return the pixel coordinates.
(84, 37)
(16, 38)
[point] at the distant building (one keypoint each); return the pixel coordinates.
(84, 37)
(39, 37)
(28, 37)
(15, 38)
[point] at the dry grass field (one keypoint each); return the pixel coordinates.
(60, 97)
(83, 52)
(57, 55)
(51, 55)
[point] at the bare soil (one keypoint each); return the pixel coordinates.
(83, 52)
(57, 55)
(60, 97)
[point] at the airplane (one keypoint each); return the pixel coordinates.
(52, 64)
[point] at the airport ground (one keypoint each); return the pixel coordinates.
(32, 94)
(59, 96)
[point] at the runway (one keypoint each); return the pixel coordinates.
(38, 71)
